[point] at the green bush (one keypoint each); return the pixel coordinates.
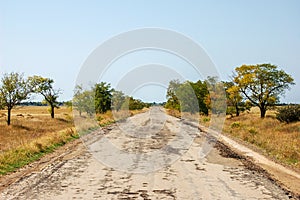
(206, 119)
(288, 114)
(235, 125)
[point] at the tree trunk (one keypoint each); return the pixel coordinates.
(263, 111)
(52, 111)
(8, 116)
(237, 111)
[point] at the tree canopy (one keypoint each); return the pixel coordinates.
(262, 84)
(84, 101)
(44, 86)
(103, 97)
(13, 90)
(188, 96)
(235, 103)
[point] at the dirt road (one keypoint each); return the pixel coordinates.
(149, 156)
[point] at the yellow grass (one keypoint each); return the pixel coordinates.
(278, 140)
(111, 117)
(31, 134)
(203, 119)
(29, 123)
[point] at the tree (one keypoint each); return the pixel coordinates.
(234, 97)
(200, 89)
(216, 98)
(103, 97)
(84, 101)
(135, 104)
(88, 102)
(262, 84)
(118, 98)
(187, 98)
(173, 102)
(13, 90)
(44, 86)
(2, 103)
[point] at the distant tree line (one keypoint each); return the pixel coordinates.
(258, 85)
(41, 103)
(102, 97)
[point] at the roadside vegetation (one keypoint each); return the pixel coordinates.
(29, 132)
(277, 140)
(253, 115)
(31, 135)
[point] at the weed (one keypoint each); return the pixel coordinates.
(235, 125)
(206, 119)
(252, 131)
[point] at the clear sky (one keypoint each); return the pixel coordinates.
(54, 38)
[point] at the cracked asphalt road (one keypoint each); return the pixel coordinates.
(150, 156)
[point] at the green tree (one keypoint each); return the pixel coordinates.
(103, 97)
(133, 104)
(118, 98)
(2, 102)
(262, 84)
(84, 101)
(200, 89)
(13, 90)
(187, 98)
(173, 102)
(44, 86)
(88, 102)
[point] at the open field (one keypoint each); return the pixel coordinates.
(279, 141)
(31, 134)
(30, 123)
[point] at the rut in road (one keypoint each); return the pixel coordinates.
(149, 156)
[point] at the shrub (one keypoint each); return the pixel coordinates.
(288, 114)
(235, 125)
(206, 119)
(252, 131)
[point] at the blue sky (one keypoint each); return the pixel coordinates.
(54, 38)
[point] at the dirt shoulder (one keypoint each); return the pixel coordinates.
(287, 178)
(68, 151)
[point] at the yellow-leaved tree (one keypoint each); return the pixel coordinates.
(262, 84)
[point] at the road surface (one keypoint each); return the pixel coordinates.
(148, 156)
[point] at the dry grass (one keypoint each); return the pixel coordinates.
(31, 134)
(278, 140)
(203, 120)
(111, 117)
(30, 123)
